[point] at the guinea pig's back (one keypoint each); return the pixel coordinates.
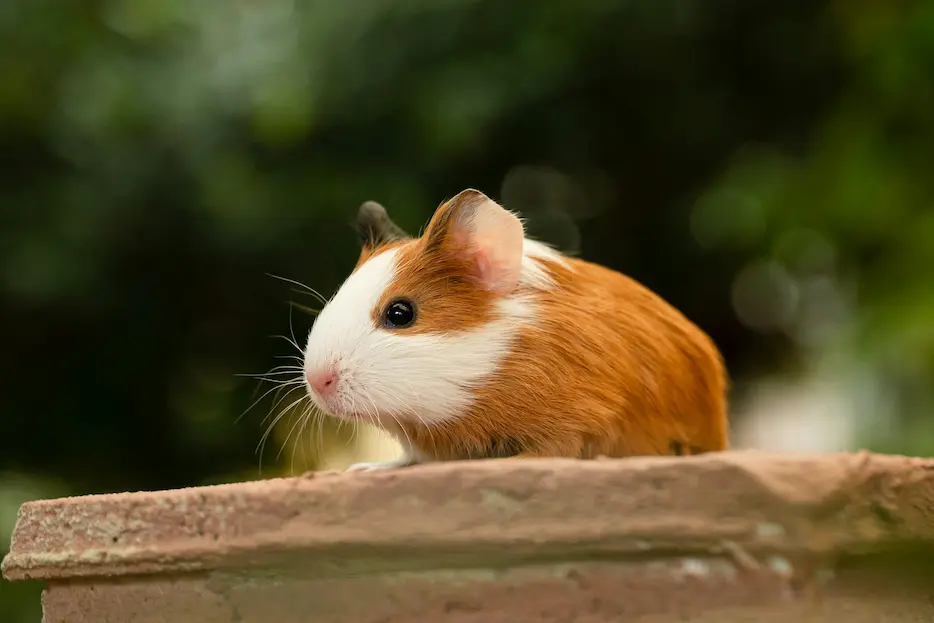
(630, 373)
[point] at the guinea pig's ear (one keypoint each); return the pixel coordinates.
(374, 226)
(475, 227)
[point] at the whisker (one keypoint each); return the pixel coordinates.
(258, 400)
(298, 440)
(291, 330)
(399, 425)
(319, 424)
(311, 290)
(290, 341)
(262, 443)
(371, 416)
(353, 423)
(289, 380)
(274, 372)
(369, 398)
(287, 437)
(296, 368)
(300, 360)
(308, 310)
(280, 400)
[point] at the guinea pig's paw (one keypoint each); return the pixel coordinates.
(373, 467)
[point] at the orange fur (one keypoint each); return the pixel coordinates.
(609, 368)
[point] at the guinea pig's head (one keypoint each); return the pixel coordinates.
(420, 322)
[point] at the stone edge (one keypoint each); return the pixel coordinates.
(741, 504)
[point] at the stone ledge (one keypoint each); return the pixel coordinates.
(756, 525)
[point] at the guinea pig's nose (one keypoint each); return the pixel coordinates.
(323, 382)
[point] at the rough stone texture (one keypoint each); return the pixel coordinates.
(737, 536)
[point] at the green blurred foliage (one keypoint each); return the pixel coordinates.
(764, 166)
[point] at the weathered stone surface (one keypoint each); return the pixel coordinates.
(737, 536)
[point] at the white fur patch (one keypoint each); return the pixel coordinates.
(426, 377)
(533, 272)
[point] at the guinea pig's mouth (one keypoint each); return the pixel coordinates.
(336, 393)
(337, 408)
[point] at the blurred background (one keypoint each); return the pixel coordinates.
(766, 167)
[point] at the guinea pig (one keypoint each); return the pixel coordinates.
(474, 341)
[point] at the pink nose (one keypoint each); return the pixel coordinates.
(323, 382)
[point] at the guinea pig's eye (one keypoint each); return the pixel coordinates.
(399, 314)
